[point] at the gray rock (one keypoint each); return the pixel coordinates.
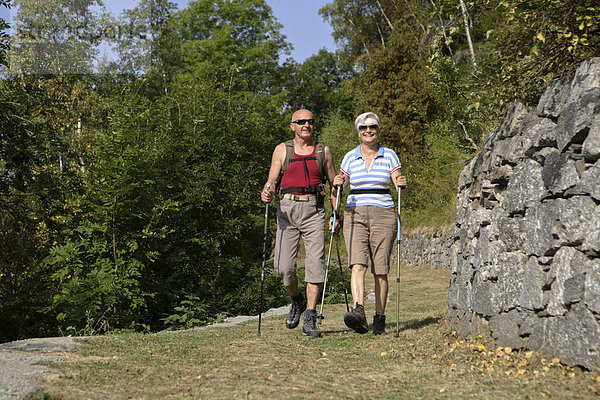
(559, 173)
(539, 224)
(591, 145)
(575, 337)
(526, 187)
(532, 290)
(578, 219)
(554, 98)
(511, 268)
(505, 328)
(587, 76)
(567, 263)
(576, 119)
(590, 179)
(485, 298)
(591, 297)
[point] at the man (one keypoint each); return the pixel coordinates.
(306, 165)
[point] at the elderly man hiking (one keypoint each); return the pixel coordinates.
(299, 168)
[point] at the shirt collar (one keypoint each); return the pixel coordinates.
(358, 155)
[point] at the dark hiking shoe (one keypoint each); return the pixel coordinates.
(378, 324)
(356, 319)
(309, 327)
(296, 309)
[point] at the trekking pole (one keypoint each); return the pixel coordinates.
(262, 272)
(398, 270)
(337, 202)
(337, 247)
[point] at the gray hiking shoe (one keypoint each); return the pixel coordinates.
(309, 327)
(378, 324)
(356, 319)
(296, 309)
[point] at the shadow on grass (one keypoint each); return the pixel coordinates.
(415, 324)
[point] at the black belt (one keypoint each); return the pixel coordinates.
(370, 191)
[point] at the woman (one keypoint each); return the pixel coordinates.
(370, 226)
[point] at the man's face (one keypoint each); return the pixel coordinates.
(301, 123)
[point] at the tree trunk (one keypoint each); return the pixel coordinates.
(465, 15)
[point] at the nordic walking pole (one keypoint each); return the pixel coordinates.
(337, 202)
(262, 272)
(398, 270)
(337, 247)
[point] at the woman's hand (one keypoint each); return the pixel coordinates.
(400, 181)
(339, 180)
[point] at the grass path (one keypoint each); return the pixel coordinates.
(425, 362)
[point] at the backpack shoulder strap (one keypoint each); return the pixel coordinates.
(320, 154)
(289, 154)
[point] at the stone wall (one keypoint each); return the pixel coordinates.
(527, 234)
(434, 250)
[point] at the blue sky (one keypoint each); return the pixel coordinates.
(302, 24)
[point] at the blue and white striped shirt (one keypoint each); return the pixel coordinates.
(377, 176)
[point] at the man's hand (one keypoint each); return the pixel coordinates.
(338, 224)
(267, 193)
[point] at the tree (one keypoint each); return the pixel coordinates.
(143, 39)
(57, 36)
(236, 44)
(318, 84)
(4, 39)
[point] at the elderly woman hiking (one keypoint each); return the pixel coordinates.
(370, 226)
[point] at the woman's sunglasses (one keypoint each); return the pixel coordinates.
(364, 127)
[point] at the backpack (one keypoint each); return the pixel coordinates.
(320, 159)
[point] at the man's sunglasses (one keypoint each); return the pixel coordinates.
(364, 127)
(304, 121)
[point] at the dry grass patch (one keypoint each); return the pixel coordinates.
(426, 361)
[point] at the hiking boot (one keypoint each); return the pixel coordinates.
(309, 327)
(356, 319)
(296, 309)
(378, 324)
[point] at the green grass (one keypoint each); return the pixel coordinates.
(426, 361)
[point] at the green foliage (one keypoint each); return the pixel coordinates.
(234, 43)
(4, 38)
(318, 84)
(189, 313)
(62, 42)
(143, 39)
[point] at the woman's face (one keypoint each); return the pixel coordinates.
(368, 133)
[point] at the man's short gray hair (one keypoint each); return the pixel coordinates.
(367, 118)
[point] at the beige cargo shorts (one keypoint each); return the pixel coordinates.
(369, 232)
(297, 219)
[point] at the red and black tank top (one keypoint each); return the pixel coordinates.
(302, 176)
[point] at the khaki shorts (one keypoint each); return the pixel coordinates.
(369, 232)
(297, 219)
